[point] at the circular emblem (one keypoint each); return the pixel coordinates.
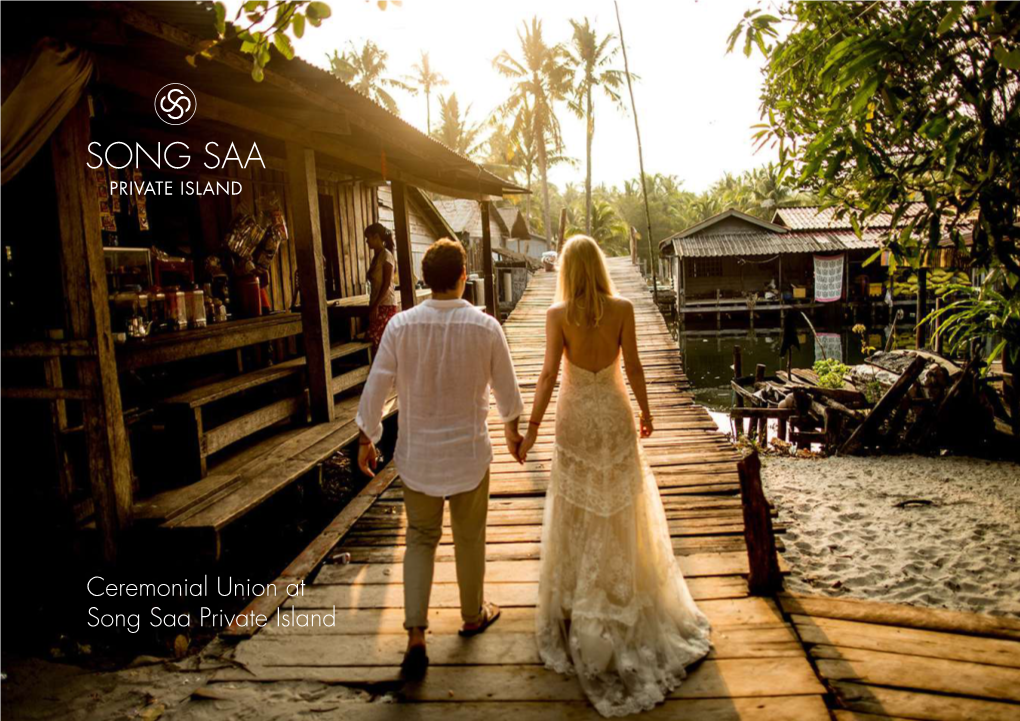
(175, 104)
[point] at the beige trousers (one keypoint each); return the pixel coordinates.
(468, 512)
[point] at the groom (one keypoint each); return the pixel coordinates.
(443, 355)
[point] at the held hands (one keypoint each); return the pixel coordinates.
(513, 439)
(646, 426)
(528, 442)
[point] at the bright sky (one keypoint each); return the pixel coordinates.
(696, 104)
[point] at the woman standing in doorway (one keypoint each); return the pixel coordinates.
(383, 303)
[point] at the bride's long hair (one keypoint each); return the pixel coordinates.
(584, 282)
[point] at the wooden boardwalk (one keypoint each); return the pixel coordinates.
(757, 670)
(785, 658)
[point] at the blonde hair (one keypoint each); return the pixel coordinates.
(584, 282)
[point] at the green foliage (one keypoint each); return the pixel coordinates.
(365, 70)
(588, 58)
(912, 108)
(540, 80)
(830, 373)
(425, 79)
(990, 313)
(456, 131)
(256, 37)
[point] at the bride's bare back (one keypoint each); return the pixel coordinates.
(595, 348)
(592, 349)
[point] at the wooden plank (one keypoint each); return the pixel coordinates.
(46, 394)
(49, 349)
(722, 678)
(304, 199)
(217, 338)
(347, 286)
(232, 431)
(918, 673)
(897, 703)
(322, 649)
(693, 566)
(523, 551)
(803, 708)
(83, 272)
(267, 603)
(911, 641)
(865, 432)
(447, 621)
(342, 350)
(932, 619)
(358, 223)
(172, 503)
(348, 380)
(445, 595)
(212, 392)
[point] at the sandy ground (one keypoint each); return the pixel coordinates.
(154, 689)
(850, 533)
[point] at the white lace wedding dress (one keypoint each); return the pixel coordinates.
(613, 607)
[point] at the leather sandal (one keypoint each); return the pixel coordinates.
(490, 615)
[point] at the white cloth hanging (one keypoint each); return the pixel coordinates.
(828, 278)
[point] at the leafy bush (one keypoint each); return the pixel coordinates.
(830, 373)
(981, 314)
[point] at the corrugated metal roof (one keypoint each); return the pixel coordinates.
(813, 217)
(462, 215)
(738, 244)
(465, 216)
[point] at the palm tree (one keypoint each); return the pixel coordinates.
(364, 70)
(425, 79)
(604, 225)
(588, 56)
(540, 80)
(456, 132)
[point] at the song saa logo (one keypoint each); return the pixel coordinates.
(175, 104)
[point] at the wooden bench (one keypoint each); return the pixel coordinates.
(198, 513)
(185, 411)
(350, 378)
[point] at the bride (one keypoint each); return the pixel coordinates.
(613, 607)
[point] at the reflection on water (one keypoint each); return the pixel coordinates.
(708, 358)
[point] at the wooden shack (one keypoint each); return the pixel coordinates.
(191, 429)
(737, 266)
(520, 238)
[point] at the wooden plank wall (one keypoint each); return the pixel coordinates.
(423, 231)
(354, 206)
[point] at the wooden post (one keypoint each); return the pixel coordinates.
(490, 289)
(737, 372)
(633, 245)
(763, 433)
(922, 305)
(563, 229)
(304, 202)
(718, 309)
(402, 237)
(88, 310)
(765, 577)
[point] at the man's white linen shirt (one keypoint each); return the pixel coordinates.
(443, 355)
